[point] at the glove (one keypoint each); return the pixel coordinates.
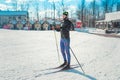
(62, 28)
(57, 29)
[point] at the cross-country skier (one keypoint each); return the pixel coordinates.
(65, 41)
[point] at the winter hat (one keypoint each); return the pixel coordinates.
(65, 13)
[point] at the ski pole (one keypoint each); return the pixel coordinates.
(77, 60)
(57, 46)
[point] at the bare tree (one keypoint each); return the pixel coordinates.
(37, 10)
(15, 5)
(118, 6)
(112, 4)
(45, 7)
(54, 7)
(24, 6)
(94, 13)
(108, 5)
(27, 6)
(62, 5)
(80, 11)
(36, 4)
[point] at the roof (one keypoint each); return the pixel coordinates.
(112, 16)
(101, 21)
(14, 13)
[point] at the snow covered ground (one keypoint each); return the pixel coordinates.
(25, 55)
(100, 31)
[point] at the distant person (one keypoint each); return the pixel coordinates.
(14, 22)
(11, 25)
(6, 26)
(28, 26)
(45, 26)
(37, 25)
(19, 25)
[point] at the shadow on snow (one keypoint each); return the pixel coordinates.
(72, 71)
(82, 74)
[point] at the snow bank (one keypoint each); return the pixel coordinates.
(90, 30)
(99, 31)
(118, 34)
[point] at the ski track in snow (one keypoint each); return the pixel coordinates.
(24, 54)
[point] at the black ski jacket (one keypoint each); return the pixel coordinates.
(65, 28)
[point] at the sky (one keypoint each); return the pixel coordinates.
(44, 6)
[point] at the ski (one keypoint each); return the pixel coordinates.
(56, 68)
(69, 68)
(56, 71)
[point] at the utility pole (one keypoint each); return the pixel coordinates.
(54, 10)
(94, 15)
(82, 12)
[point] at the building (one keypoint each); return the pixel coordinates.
(110, 17)
(111, 21)
(6, 16)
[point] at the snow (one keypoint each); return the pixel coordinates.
(118, 34)
(100, 31)
(25, 55)
(90, 30)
